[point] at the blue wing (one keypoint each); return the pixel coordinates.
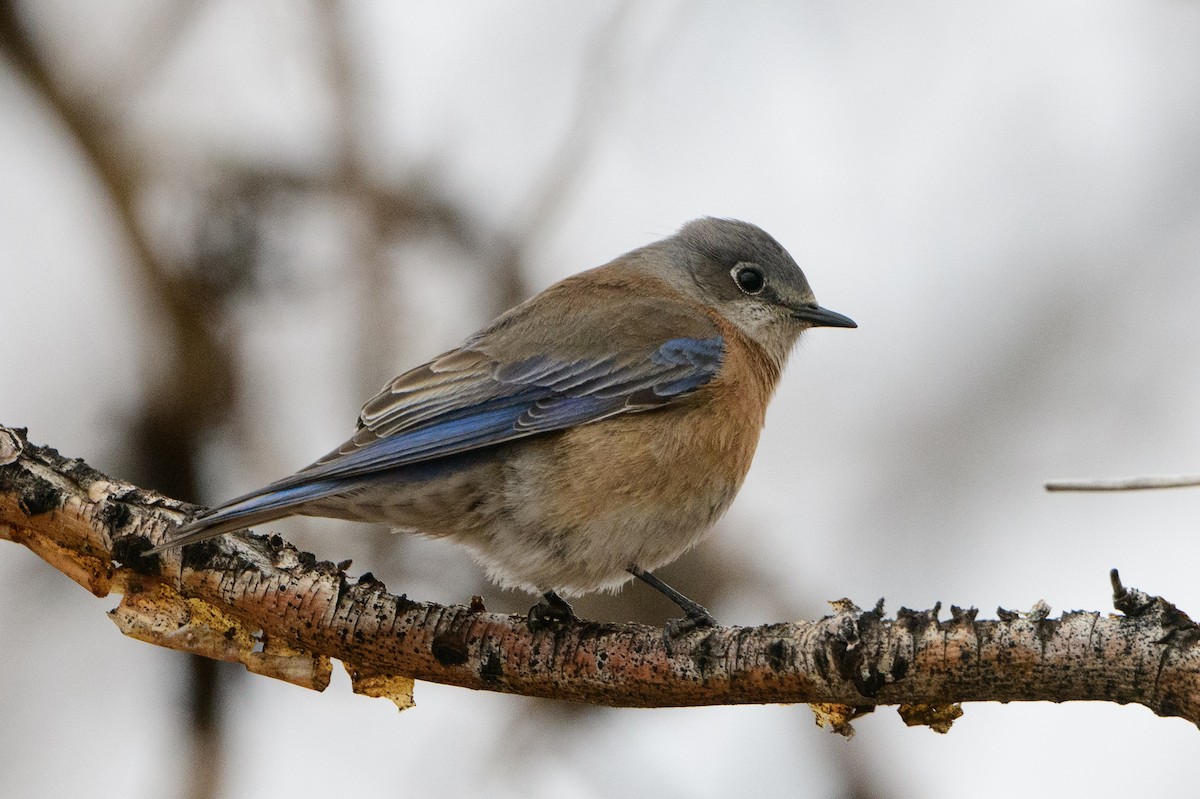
(466, 400)
(459, 403)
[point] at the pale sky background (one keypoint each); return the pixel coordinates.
(1005, 197)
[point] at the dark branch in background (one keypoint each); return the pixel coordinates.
(261, 602)
(183, 405)
(194, 394)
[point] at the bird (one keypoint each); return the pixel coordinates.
(584, 438)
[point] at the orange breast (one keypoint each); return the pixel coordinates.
(689, 458)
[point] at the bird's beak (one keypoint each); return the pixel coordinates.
(817, 316)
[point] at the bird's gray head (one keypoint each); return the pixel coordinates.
(741, 271)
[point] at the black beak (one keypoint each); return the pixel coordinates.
(817, 316)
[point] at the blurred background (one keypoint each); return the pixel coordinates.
(224, 225)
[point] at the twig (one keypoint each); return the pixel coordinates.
(1124, 483)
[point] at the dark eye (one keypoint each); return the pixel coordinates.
(749, 278)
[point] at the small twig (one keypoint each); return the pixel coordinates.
(1125, 483)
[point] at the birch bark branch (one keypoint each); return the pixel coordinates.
(259, 601)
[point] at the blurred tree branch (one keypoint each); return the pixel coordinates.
(278, 611)
(194, 387)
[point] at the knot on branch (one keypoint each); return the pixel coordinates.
(11, 444)
(856, 649)
(1178, 628)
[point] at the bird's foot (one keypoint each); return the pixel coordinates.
(697, 618)
(552, 609)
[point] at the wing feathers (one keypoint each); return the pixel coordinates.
(473, 397)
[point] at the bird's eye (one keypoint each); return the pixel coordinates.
(749, 278)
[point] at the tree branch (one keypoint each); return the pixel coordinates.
(261, 602)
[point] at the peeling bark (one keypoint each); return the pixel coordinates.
(259, 601)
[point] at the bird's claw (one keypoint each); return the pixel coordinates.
(550, 610)
(697, 618)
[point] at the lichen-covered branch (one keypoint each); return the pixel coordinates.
(261, 602)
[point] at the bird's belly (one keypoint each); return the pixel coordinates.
(583, 505)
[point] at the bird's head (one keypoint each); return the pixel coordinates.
(743, 273)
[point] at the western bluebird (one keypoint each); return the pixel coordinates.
(593, 433)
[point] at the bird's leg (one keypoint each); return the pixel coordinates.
(695, 615)
(551, 609)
